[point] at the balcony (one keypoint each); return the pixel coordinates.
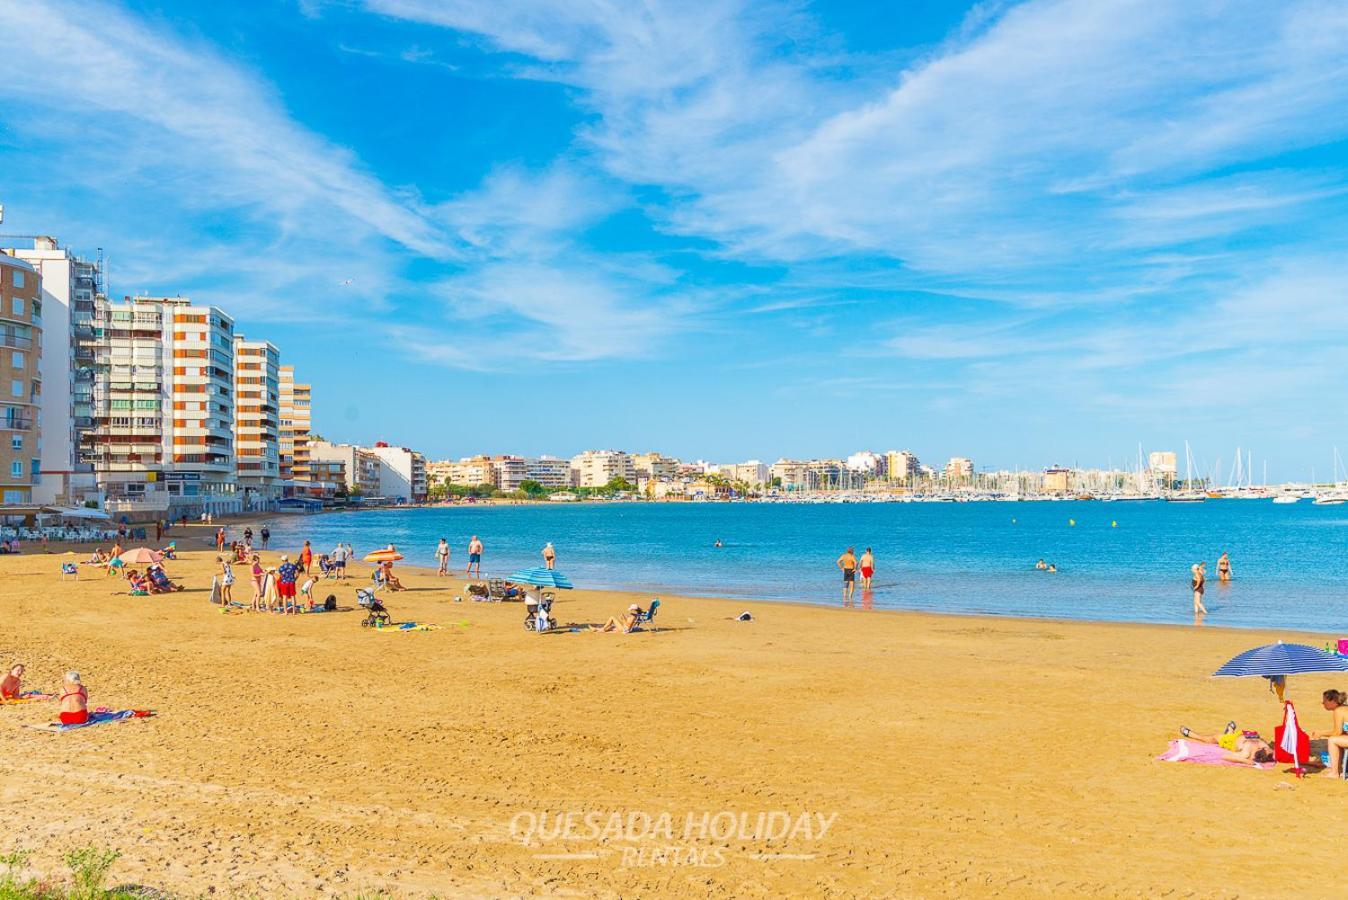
(16, 341)
(16, 424)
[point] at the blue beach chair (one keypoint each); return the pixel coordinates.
(647, 619)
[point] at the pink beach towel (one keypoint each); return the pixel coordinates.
(1203, 754)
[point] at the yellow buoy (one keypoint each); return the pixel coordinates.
(1071, 521)
(1114, 524)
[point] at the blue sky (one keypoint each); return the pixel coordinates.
(1027, 232)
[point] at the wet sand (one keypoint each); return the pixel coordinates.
(906, 754)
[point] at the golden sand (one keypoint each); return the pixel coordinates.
(950, 756)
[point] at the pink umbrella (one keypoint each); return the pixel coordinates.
(141, 556)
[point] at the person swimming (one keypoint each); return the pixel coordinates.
(1052, 567)
(1041, 565)
(718, 543)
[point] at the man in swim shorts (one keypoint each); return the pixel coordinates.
(848, 564)
(474, 557)
(286, 574)
(867, 569)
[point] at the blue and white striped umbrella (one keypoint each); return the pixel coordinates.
(541, 576)
(1282, 659)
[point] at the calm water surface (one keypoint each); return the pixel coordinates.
(1120, 561)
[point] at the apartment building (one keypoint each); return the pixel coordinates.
(549, 471)
(596, 468)
(509, 472)
(296, 424)
(959, 470)
(752, 472)
(20, 381)
(901, 465)
(71, 287)
(402, 472)
(360, 467)
(655, 466)
(470, 471)
(161, 404)
(257, 422)
(793, 474)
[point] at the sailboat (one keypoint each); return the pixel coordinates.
(1188, 495)
(1337, 495)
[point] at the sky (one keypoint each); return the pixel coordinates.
(1030, 233)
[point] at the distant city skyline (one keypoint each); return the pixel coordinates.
(1028, 233)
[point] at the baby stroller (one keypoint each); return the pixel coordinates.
(538, 612)
(376, 614)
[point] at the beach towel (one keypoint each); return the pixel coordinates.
(1290, 743)
(408, 626)
(1203, 754)
(98, 717)
(28, 697)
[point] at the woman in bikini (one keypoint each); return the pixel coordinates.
(1336, 739)
(74, 700)
(258, 572)
(11, 687)
(623, 625)
(1199, 584)
(1224, 568)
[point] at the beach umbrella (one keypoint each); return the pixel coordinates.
(542, 577)
(388, 554)
(1276, 661)
(141, 556)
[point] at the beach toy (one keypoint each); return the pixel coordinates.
(1071, 521)
(1114, 524)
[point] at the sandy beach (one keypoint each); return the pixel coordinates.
(812, 751)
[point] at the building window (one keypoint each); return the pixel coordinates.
(16, 497)
(16, 305)
(16, 360)
(18, 278)
(16, 442)
(16, 387)
(16, 468)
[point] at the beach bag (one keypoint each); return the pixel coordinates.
(330, 604)
(1283, 742)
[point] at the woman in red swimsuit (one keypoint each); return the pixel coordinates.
(74, 700)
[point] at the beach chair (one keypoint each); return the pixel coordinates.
(496, 590)
(647, 618)
(70, 569)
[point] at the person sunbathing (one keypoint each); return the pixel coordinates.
(74, 700)
(160, 583)
(11, 686)
(1245, 747)
(624, 625)
(136, 584)
(99, 558)
(1336, 739)
(390, 580)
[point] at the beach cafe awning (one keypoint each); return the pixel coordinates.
(76, 512)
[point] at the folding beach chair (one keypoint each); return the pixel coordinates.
(647, 619)
(70, 569)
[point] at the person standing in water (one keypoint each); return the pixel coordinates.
(1224, 568)
(474, 557)
(867, 564)
(442, 557)
(848, 564)
(1199, 584)
(549, 556)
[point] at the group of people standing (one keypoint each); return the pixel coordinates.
(475, 550)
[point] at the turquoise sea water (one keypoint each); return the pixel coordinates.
(950, 557)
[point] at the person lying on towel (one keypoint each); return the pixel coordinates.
(1241, 746)
(74, 700)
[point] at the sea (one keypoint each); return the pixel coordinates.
(1122, 561)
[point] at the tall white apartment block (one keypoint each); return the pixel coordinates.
(257, 422)
(161, 404)
(70, 289)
